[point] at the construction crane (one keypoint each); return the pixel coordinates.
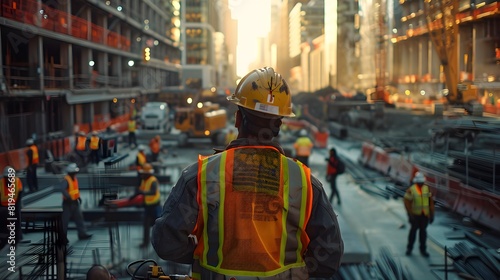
(441, 17)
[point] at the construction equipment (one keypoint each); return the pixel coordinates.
(205, 120)
(441, 16)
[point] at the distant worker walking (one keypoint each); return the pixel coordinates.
(332, 170)
(155, 146)
(95, 145)
(33, 160)
(11, 189)
(71, 202)
(419, 205)
(303, 147)
(131, 132)
(230, 136)
(150, 188)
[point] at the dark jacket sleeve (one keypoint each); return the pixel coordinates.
(326, 247)
(180, 213)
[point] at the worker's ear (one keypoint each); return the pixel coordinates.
(238, 118)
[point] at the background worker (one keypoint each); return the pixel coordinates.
(132, 126)
(71, 202)
(95, 146)
(332, 172)
(230, 136)
(303, 147)
(141, 158)
(33, 160)
(232, 203)
(419, 205)
(150, 188)
(8, 183)
(81, 145)
(155, 146)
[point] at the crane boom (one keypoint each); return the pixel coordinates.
(443, 29)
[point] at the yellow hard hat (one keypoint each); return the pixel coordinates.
(147, 169)
(264, 90)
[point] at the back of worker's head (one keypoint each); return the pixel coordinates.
(30, 142)
(419, 178)
(263, 98)
(98, 272)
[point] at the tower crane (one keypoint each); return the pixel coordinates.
(442, 24)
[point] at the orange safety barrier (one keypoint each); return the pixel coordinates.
(366, 153)
(321, 139)
(401, 169)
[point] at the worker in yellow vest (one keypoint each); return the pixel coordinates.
(150, 188)
(33, 160)
(11, 189)
(419, 205)
(132, 126)
(71, 202)
(95, 146)
(141, 158)
(249, 211)
(303, 147)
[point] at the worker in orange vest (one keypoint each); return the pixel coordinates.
(155, 146)
(249, 211)
(419, 205)
(71, 202)
(81, 144)
(94, 145)
(303, 147)
(150, 188)
(33, 160)
(11, 189)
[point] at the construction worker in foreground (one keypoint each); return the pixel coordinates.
(249, 211)
(303, 147)
(10, 196)
(95, 145)
(150, 188)
(71, 202)
(33, 160)
(419, 205)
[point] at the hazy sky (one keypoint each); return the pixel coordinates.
(254, 20)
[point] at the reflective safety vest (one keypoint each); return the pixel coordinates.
(420, 199)
(72, 189)
(94, 142)
(141, 160)
(34, 151)
(303, 146)
(146, 187)
(255, 204)
(80, 143)
(18, 185)
(131, 126)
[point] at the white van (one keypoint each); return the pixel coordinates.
(156, 116)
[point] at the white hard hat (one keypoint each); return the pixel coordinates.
(7, 170)
(30, 141)
(303, 132)
(419, 178)
(72, 168)
(141, 148)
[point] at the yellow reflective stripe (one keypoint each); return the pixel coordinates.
(203, 179)
(302, 210)
(284, 214)
(222, 195)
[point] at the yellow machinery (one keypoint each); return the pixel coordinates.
(205, 120)
(441, 16)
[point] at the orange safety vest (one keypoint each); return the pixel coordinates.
(34, 159)
(80, 144)
(259, 229)
(131, 126)
(146, 186)
(141, 160)
(6, 185)
(303, 146)
(94, 142)
(420, 199)
(72, 189)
